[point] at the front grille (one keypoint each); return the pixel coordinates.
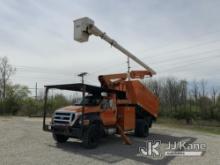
(63, 118)
(60, 117)
(63, 114)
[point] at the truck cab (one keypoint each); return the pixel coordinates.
(103, 107)
(98, 108)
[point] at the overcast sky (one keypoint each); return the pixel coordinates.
(177, 38)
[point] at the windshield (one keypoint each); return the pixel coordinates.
(89, 101)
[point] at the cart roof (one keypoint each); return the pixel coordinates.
(88, 88)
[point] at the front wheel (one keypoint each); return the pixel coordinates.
(60, 138)
(91, 137)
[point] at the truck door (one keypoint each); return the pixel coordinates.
(108, 112)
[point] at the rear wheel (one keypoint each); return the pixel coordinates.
(91, 137)
(142, 128)
(60, 138)
(149, 121)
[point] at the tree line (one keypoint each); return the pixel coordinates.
(15, 99)
(181, 99)
(178, 98)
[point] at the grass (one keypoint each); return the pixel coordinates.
(211, 126)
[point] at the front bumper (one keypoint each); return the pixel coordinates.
(64, 130)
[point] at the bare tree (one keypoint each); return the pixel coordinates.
(195, 90)
(6, 70)
(203, 84)
(154, 85)
(173, 92)
(214, 93)
(183, 92)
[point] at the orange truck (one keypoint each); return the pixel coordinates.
(121, 104)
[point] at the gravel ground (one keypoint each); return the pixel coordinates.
(22, 142)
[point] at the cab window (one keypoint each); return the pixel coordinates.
(89, 101)
(106, 103)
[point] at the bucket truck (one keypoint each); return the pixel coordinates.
(121, 104)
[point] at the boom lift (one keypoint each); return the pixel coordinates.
(122, 103)
(84, 27)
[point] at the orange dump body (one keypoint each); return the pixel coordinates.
(139, 94)
(136, 92)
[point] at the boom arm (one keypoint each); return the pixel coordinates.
(84, 27)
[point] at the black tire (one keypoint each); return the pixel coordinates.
(91, 137)
(60, 138)
(149, 121)
(142, 128)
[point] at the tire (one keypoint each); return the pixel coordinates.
(91, 137)
(149, 121)
(60, 138)
(142, 128)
